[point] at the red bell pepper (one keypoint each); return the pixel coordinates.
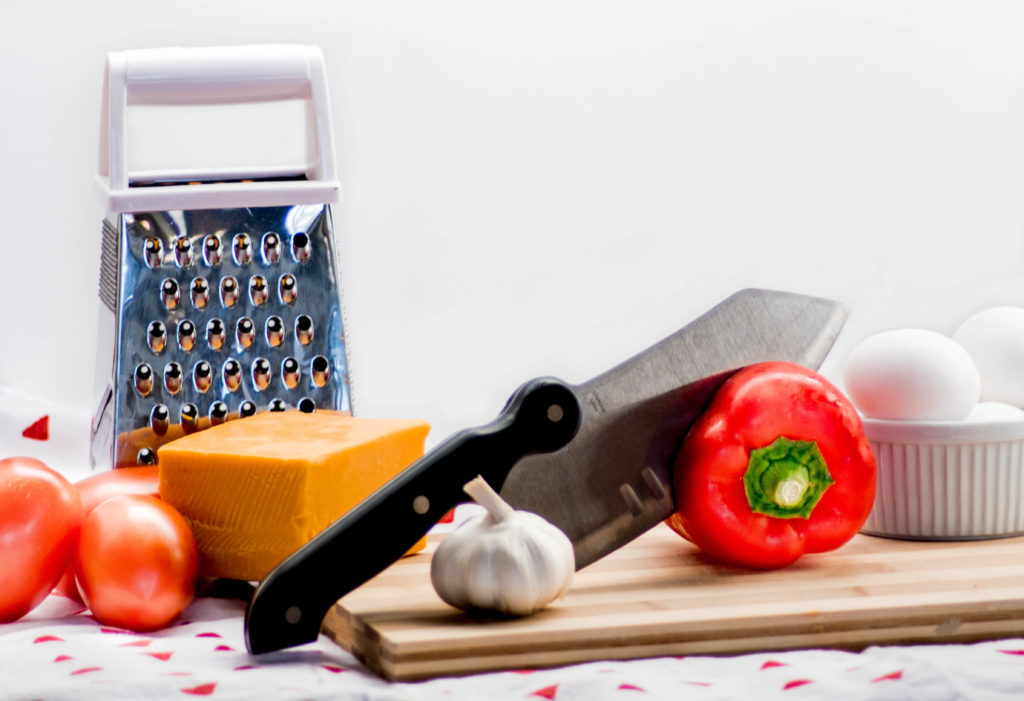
(778, 465)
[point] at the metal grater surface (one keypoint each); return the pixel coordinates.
(219, 313)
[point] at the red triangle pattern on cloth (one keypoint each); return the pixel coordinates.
(547, 692)
(39, 430)
(86, 670)
(201, 690)
(48, 639)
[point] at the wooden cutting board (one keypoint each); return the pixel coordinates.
(660, 596)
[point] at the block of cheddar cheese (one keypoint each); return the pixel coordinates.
(256, 489)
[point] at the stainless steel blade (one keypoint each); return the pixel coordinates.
(613, 481)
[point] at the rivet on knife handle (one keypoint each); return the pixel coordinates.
(288, 607)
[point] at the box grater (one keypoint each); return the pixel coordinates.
(219, 289)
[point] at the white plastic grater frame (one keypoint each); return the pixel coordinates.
(216, 75)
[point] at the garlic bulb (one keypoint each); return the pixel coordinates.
(514, 562)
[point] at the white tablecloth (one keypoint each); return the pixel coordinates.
(59, 651)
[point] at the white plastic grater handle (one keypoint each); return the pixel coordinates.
(215, 75)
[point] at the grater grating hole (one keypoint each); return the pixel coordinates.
(202, 375)
(241, 249)
(189, 417)
(290, 372)
(271, 248)
(170, 294)
(228, 291)
(258, 292)
(274, 331)
(212, 250)
(304, 329)
(245, 331)
(287, 288)
(301, 247)
(232, 374)
(278, 404)
(146, 456)
(160, 419)
(320, 371)
(143, 379)
(172, 377)
(186, 335)
(200, 292)
(246, 408)
(306, 405)
(215, 334)
(261, 373)
(183, 252)
(218, 413)
(156, 336)
(153, 252)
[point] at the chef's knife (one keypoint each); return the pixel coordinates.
(594, 459)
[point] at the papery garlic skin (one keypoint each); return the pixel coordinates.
(514, 564)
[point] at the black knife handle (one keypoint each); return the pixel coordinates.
(289, 605)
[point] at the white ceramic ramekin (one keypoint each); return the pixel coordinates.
(947, 480)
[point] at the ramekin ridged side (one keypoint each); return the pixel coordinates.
(947, 481)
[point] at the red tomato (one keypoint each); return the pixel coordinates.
(95, 490)
(137, 562)
(40, 516)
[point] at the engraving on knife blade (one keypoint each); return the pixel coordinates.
(636, 507)
(659, 490)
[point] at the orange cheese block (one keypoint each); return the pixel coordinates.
(256, 489)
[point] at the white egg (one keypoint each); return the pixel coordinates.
(912, 375)
(995, 411)
(995, 340)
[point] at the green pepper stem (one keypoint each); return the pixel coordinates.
(786, 479)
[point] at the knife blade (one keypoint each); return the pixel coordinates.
(594, 459)
(634, 416)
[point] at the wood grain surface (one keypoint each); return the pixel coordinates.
(660, 596)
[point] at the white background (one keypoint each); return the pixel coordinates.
(539, 188)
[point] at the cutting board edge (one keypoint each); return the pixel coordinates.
(840, 614)
(941, 617)
(400, 670)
